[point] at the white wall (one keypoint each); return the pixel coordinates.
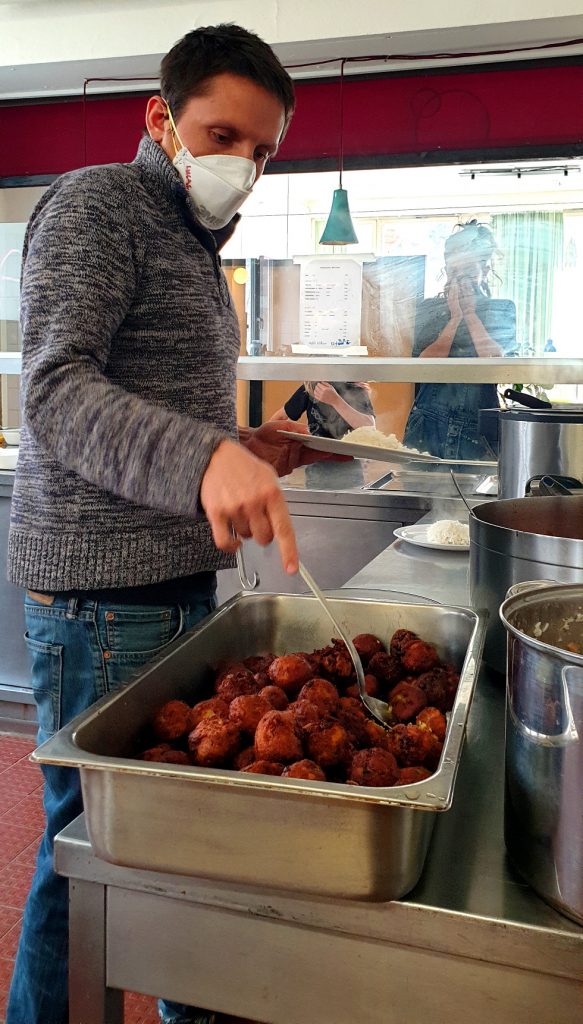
(60, 37)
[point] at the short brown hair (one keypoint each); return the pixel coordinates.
(214, 50)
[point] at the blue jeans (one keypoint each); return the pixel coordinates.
(81, 650)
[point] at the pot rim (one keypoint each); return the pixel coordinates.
(544, 593)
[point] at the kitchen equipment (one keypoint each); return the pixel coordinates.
(535, 442)
(379, 709)
(516, 540)
(314, 837)
(544, 741)
(548, 484)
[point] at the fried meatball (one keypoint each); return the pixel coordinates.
(258, 662)
(214, 742)
(367, 645)
(320, 692)
(304, 714)
(371, 686)
(419, 656)
(236, 684)
(434, 685)
(206, 708)
(247, 711)
(433, 755)
(374, 767)
(264, 768)
(410, 744)
(376, 735)
(386, 667)
(433, 720)
(336, 662)
(400, 640)
(276, 738)
(155, 753)
(262, 679)
(304, 769)
(171, 720)
(414, 774)
(290, 672)
(327, 743)
(229, 669)
(406, 701)
(166, 756)
(275, 696)
(352, 717)
(245, 757)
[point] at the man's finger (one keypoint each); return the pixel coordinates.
(260, 529)
(222, 530)
(283, 533)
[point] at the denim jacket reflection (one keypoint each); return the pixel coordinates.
(444, 417)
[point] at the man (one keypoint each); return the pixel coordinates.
(133, 486)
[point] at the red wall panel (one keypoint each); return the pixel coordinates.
(407, 114)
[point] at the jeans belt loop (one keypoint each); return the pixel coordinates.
(72, 604)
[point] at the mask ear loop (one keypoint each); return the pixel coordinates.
(174, 130)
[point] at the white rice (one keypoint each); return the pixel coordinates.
(376, 439)
(448, 531)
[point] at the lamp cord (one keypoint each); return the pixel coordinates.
(341, 146)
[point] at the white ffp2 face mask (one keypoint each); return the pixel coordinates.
(217, 184)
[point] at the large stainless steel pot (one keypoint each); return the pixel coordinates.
(516, 540)
(544, 742)
(534, 442)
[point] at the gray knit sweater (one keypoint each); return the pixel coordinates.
(128, 384)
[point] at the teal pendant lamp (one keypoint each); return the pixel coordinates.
(339, 228)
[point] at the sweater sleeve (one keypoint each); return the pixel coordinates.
(83, 254)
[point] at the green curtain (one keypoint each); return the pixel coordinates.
(531, 244)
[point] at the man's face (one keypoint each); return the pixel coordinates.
(235, 116)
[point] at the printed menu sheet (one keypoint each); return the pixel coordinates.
(330, 302)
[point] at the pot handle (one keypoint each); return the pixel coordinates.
(529, 401)
(569, 674)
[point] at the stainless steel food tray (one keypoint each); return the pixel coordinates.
(311, 837)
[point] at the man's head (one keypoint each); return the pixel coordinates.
(222, 49)
(223, 90)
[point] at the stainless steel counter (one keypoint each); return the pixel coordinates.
(472, 944)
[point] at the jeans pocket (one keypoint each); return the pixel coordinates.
(46, 681)
(137, 633)
(132, 637)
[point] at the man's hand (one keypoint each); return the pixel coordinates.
(240, 495)
(268, 444)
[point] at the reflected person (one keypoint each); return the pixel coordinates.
(464, 321)
(332, 410)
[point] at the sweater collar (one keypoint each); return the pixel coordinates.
(166, 183)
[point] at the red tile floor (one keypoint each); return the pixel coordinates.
(21, 825)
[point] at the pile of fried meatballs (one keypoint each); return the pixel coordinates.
(299, 715)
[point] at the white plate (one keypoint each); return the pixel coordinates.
(8, 458)
(370, 451)
(418, 535)
(359, 451)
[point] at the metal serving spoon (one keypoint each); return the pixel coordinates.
(378, 708)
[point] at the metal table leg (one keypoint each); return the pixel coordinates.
(90, 1000)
